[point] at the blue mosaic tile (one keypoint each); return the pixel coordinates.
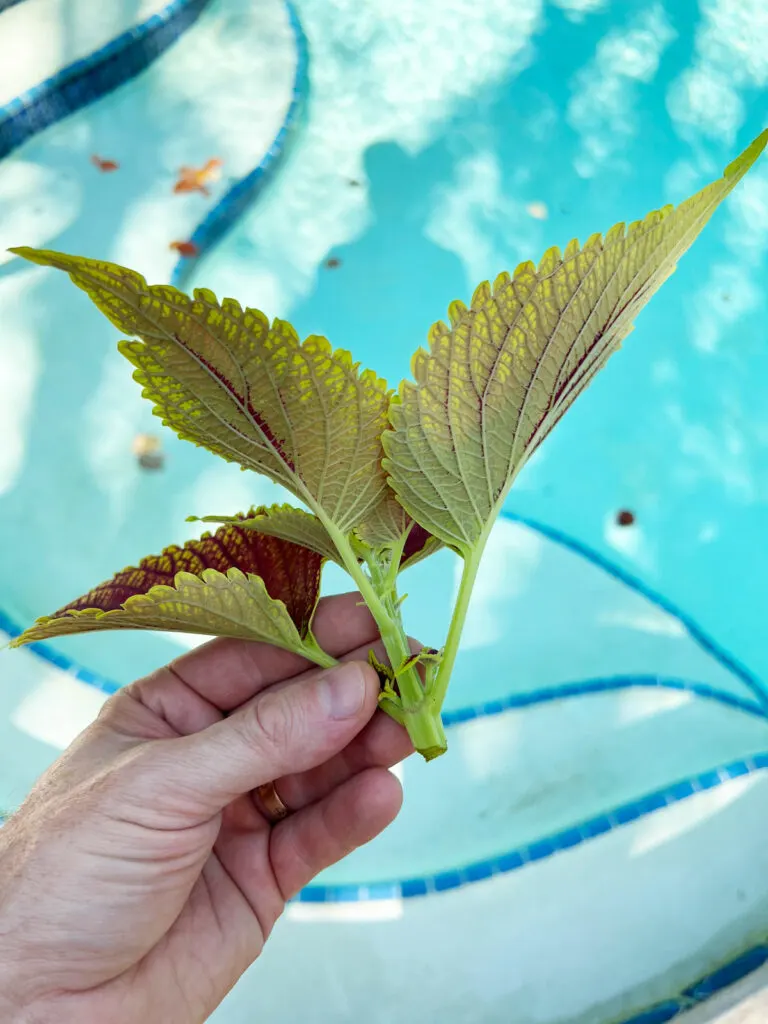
(510, 861)
(447, 880)
(601, 685)
(521, 700)
(597, 826)
(413, 887)
(629, 812)
(654, 802)
(492, 707)
(659, 1014)
(383, 891)
(708, 780)
(315, 894)
(458, 716)
(92, 77)
(540, 849)
(728, 975)
(477, 872)
(338, 894)
(681, 790)
(570, 837)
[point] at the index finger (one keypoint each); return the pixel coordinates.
(229, 672)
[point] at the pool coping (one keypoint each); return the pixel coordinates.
(541, 849)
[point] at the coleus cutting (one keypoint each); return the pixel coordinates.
(385, 478)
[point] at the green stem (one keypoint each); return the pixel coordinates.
(394, 565)
(314, 652)
(421, 716)
(451, 649)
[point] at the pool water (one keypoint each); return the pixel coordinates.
(674, 429)
(438, 145)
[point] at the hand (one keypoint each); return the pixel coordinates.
(140, 879)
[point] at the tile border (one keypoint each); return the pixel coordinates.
(244, 192)
(660, 1013)
(706, 987)
(47, 653)
(604, 684)
(540, 849)
(700, 637)
(94, 76)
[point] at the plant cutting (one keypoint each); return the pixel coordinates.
(384, 478)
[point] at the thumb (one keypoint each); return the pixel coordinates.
(286, 728)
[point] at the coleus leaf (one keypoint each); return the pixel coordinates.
(287, 523)
(300, 527)
(496, 381)
(235, 582)
(225, 378)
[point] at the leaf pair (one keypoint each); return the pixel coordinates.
(492, 385)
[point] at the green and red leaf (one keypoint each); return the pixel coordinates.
(285, 522)
(235, 582)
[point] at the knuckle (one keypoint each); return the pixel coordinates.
(275, 719)
(112, 708)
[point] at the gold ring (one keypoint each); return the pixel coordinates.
(272, 807)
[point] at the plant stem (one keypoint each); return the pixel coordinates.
(445, 668)
(314, 652)
(394, 565)
(421, 715)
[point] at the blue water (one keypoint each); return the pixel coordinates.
(577, 117)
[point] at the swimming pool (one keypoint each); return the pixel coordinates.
(430, 149)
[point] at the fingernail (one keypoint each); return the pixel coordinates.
(342, 691)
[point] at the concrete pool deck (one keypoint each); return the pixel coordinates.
(743, 1003)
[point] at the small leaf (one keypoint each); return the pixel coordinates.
(419, 544)
(383, 671)
(236, 582)
(499, 378)
(224, 378)
(287, 523)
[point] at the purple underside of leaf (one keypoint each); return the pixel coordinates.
(291, 572)
(417, 540)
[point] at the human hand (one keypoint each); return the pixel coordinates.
(141, 878)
